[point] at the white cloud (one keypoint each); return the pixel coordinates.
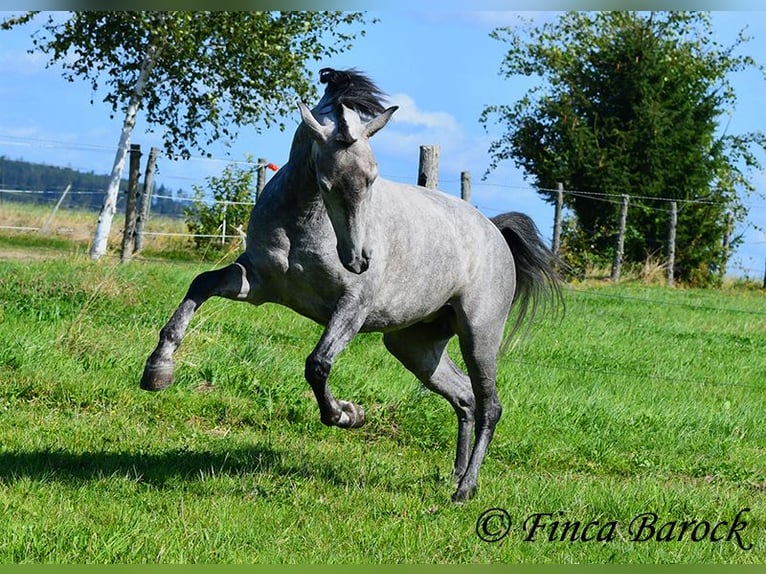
(408, 113)
(397, 150)
(410, 128)
(486, 20)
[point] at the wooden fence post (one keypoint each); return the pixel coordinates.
(465, 186)
(130, 204)
(428, 168)
(672, 243)
(223, 225)
(726, 243)
(617, 264)
(145, 200)
(557, 215)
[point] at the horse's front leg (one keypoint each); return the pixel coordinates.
(347, 318)
(233, 282)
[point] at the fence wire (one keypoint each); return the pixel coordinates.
(615, 199)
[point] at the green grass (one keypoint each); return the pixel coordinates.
(642, 399)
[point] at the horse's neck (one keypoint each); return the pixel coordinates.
(300, 189)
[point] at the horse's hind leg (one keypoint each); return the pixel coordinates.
(232, 282)
(479, 345)
(422, 349)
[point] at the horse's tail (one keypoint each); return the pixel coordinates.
(538, 283)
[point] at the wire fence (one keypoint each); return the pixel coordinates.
(227, 232)
(47, 197)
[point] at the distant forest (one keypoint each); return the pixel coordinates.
(87, 192)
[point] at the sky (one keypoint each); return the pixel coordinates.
(441, 67)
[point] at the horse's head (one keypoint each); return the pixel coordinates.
(345, 170)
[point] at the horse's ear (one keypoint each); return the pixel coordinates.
(379, 122)
(320, 132)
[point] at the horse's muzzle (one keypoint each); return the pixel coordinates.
(357, 263)
(358, 266)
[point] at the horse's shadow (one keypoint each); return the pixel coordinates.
(161, 469)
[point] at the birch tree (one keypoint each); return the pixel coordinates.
(195, 76)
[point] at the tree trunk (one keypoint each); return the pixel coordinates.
(109, 208)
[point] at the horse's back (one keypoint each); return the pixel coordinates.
(439, 250)
(432, 225)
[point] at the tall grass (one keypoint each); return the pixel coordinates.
(72, 229)
(641, 399)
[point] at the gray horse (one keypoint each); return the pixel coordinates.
(331, 240)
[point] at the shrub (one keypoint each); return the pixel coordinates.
(219, 214)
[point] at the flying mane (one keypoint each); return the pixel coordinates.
(354, 90)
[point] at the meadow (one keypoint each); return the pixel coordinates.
(40, 230)
(632, 428)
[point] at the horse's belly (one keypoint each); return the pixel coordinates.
(380, 322)
(410, 303)
(314, 293)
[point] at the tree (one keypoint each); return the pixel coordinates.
(195, 75)
(233, 195)
(631, 103)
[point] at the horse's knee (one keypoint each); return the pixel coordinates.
(317, 369)
(465, 406)
(496, 413)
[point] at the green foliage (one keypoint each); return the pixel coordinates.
(640, 400)
(210, 71)
(631, 104)
(580, 251)
(222, 208)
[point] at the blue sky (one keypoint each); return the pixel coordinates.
(440, 67)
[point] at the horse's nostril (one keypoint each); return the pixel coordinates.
(355, 261)
(358, 266)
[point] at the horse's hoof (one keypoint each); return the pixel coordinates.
(157, 377)
(351, 415)
(463, 494)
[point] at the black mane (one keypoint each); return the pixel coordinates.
(354, 90)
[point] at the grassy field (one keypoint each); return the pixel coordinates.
(72, 229)
(642, 403)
